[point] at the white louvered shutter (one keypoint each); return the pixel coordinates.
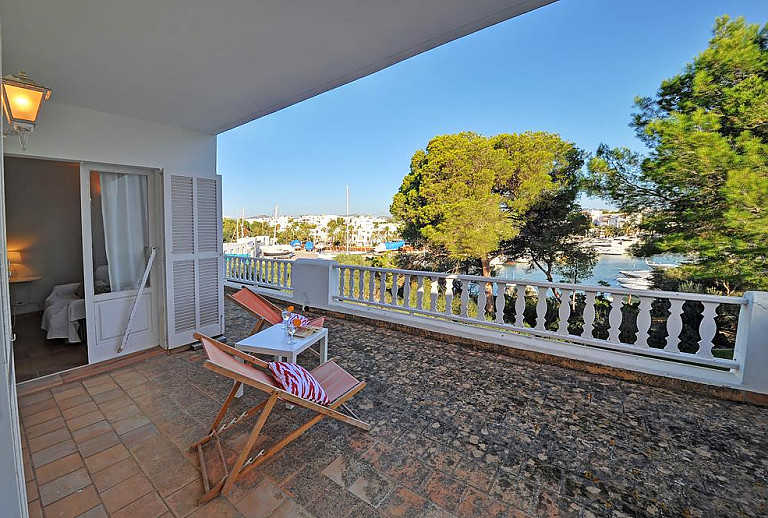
(194, 260)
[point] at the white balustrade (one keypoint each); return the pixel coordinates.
(431, 294)
(676, 333)
(261, 272)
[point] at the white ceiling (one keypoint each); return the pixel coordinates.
(211, 65)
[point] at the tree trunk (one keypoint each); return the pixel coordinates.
(485, 263)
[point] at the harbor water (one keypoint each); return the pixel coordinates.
(607, 269)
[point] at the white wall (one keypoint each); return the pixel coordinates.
(66, 132)
(42, 206)
(13, 494)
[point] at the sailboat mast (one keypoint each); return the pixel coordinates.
(346, 227)
(274, 227)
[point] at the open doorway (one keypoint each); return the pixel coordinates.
(45, 254)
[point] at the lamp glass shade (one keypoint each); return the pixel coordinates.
(21, 104)
(14, 257)
(22, 99)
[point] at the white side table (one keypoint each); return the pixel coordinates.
(274, 341)
(13, 280)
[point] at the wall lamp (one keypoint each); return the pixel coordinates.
(22, 98)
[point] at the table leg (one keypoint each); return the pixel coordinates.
(324, 350)
(239, 392)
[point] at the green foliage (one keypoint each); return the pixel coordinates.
(335, 229)
(552, 226)
(466, 193)
(703, 189)
(352, 259)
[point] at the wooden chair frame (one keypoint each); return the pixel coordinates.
(245, 462)
(262, 319)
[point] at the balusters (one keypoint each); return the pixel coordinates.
(541, 308)
(351, 283)
(361, 284)
(707, 329)
(394, 289)
(643, 321)
(342, 281)
(481, 298)
(520, 305)
(564, 312)
(419, 291)
(674, 325)
(407, 280)
(501, 301)
(433, 295)
(589, 314)
(383, 288)
(371, 285)
(464, 298)
(614, 318)
(449, 296)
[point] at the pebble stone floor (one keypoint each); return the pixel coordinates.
(457, 432)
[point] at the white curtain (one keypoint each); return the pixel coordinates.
(124, 209)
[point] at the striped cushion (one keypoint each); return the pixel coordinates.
(297, 380)
(304, 320)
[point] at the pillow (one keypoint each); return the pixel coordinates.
(297, 380)
(304, 320)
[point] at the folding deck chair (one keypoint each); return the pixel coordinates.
(339, 385)
(263, 309)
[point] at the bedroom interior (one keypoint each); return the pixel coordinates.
(45, 251)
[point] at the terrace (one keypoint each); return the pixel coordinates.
(458, 431)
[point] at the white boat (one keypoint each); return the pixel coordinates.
(640, 274)
(662, 266)
(634, 283)
(498, 261)
(277, 251)
(615, 246)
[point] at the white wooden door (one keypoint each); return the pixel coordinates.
(108, 310)
(194, 259)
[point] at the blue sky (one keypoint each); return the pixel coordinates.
(573, 68)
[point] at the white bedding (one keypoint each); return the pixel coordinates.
(63, 310)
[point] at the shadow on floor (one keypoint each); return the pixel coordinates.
(35, 356)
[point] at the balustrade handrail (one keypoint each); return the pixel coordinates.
(676, 295)
(262, 271)
(553, 335)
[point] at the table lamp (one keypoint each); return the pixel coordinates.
(13, 258)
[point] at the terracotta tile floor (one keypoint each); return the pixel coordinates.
(457, 432)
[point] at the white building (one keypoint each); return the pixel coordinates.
(364, 230)
(606, 218)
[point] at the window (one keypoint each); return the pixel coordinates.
(120, 229)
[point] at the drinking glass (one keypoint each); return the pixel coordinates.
(285, 314)
(291, 332)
